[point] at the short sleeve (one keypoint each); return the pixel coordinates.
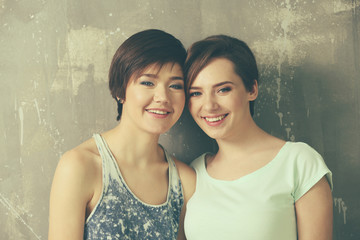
(310, 167)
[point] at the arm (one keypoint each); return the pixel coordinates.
(314, 213)
(181, 233)
(69, 195)
(188, 180)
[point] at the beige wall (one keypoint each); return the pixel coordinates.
(54, 58)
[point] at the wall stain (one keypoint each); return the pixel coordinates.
(12, 210)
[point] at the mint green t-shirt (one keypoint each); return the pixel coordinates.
(257, 206)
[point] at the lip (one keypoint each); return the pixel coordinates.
(215, 120)
(158, 112)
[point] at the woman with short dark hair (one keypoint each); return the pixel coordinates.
(122, 184)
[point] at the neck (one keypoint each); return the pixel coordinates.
(243, 141)
(133, 145)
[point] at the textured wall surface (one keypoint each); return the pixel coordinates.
(54, 58)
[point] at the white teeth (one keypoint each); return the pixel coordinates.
(157, 112)
(215, 119)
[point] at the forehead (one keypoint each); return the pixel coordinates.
(218, 69)
(157, 67)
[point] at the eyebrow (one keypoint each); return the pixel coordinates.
(177, 78)
(216, 85)
(156, 76)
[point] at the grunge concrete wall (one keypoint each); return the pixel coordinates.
(54, 58)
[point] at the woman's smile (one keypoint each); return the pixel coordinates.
(159, 113)
(215, 120)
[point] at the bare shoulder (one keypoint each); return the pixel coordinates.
(82, 159)
(79, 168)
(185, 171)
(75, 180)
(187, 176)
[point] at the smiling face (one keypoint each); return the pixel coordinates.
(155, 99)
(218, 101)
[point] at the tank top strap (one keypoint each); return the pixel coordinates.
(106, 157)
(174, 179)
(100, 145)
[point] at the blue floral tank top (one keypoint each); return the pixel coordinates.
(119, 214)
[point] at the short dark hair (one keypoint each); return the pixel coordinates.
(142, 49)
(201, 53)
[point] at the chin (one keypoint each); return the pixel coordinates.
(215, 134)
(158, 130)
(212, 134)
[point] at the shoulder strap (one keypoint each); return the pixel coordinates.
(174, 179)
(103, 151)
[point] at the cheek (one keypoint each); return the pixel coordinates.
(178, 100)
(139, 97)
(237, 103)
(192, 107)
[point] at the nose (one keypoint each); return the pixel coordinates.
(210, 103)
(161, 94)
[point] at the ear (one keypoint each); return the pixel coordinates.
(254, 92)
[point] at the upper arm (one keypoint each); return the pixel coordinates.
(69, 195)
(314, 213)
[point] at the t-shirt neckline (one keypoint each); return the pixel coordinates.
(247, 176)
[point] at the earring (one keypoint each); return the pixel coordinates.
(120, 100)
